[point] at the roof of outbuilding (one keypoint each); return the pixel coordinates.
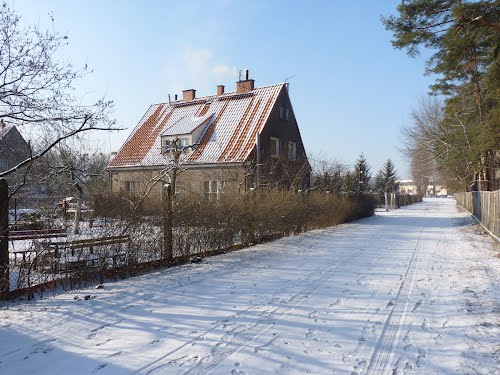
(229, 137)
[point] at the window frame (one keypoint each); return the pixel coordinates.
(284, 113)
(292, 150)
(276, 142)
(213, 189)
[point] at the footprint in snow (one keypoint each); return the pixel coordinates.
(104, 342)
(100, 367)
(417, 306)
(312, 335)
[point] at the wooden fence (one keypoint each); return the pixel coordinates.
(484, 206)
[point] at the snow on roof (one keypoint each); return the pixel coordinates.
(229, 137)
(187, 125)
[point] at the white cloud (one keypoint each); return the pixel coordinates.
(193, 68)
(222, 70)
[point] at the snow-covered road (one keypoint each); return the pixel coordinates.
(411, 291)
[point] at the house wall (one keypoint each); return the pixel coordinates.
(282, 171)
(190, 182)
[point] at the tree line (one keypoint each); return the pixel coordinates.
(454, 136)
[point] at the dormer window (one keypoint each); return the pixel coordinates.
(184, 133)
(171, 143)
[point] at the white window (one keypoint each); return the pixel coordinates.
(292, 150)
(167, 145)
(183, 142)
(170, 143)
(214, 190)
(132, 186)
(274, 147)
(284, 113)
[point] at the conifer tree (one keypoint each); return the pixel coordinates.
(465, 36)
(386, 177)
(362, 173)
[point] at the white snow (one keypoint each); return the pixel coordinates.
(411, 291)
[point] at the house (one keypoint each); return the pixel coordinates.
(13, 148)
(407, 187)
(230, 142)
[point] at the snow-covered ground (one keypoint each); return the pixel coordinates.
(411, 291)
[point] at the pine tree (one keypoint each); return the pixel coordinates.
(362, 173)
(386, 177)
(465, 36)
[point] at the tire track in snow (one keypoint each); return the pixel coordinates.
(314, 280)
(380, 362)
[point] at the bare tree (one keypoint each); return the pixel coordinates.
(37, 88)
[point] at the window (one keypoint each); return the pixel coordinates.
(292, 150)
(274, 147)
(213, 190)
(169, 143)
(284, 113)
(3, 164)
(132, 186)
(183, 142)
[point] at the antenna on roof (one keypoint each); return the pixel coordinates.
(287, 84)
(169, 101)
(239, 75)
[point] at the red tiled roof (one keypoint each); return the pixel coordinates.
(230, 137)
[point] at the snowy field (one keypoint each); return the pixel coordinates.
(411, 291)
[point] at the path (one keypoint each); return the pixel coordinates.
(412, 291)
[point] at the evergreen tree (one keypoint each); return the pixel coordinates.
(362, 173)
(336, 182)
(465, 36)
(386, 177)
(347, 183)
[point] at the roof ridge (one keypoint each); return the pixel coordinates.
(206, 97)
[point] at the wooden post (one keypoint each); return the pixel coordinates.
(4, 239)
(167, 223)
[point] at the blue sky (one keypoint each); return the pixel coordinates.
(351, 91)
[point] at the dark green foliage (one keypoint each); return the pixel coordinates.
(465, 36)
(362, 174)
(386, 178)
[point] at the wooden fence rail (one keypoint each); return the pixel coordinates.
(16, 235)
(484, 206)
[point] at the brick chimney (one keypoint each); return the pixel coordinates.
(220, 90)
(188, 95)
(245, 86)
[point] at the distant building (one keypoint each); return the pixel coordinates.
(13, 148)
(407, 187)
(232, 142)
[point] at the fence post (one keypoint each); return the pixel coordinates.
(4, 239)
(167, 223)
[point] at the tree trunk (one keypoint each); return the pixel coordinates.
(4, 239)
(78, 211)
